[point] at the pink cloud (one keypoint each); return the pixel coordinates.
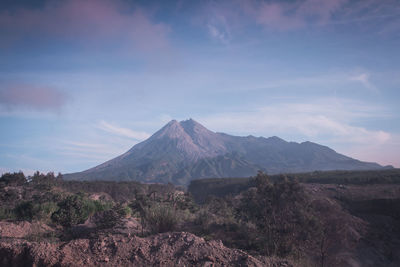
(32, 97)
(87, 21)
(225, 18)
(320, 10)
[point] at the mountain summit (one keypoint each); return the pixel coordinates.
(186, 150)
(193, 140)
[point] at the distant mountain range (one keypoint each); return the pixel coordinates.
(182, 151)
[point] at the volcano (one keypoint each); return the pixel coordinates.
(182, 151)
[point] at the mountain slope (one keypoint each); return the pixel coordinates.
(182, 151)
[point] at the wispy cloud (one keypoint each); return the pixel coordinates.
(218, 34)
(364, 79)
(218, 26)
(92, 153)
(328, 121)
(34, 97)
(273, 15)
(325, 117)
(125, 132)
(296, 15)
(105, 149)
(333, 81)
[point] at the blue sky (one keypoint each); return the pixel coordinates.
(82, 81)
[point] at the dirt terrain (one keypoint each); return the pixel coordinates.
(167, 249)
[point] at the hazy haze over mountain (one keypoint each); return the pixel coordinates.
(181, 151)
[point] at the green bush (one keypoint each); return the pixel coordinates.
(160, 218)
(6, 213)
(75, 209)
(25, 211)
(109, 218)
(106, 219)
(29, 211)
(124, 211)
(44, 211)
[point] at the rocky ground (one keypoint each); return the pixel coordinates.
(116, 249)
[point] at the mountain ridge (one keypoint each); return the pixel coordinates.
(186, 150)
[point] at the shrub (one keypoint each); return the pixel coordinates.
(203, 219)
(6, 213)
(45, 210)
(24, 211)
(29, 211)
(75, 209)
(124, 211)
(160, 218)
(106, 219)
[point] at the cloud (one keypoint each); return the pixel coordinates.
(32, 97)
(93, 153)
(312, 120)
(331, 122)
(125, 132)
(103, 150)
(223, 19)
(218, 26)
(92, 22)
(364, 79)
(217, 33)
(218, 18)
(275, 15)
(387, 153)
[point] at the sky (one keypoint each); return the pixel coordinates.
(82, 81)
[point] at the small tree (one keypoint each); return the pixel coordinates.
(43, 181)
(281, 213)
(12, 179)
